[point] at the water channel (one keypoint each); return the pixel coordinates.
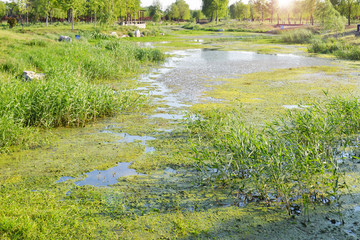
(179, 83)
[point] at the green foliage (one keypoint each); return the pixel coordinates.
(12, 132)
(2, 9)
(192, 26)
(179, 10)
(155, 11)
(297, 36)
(12, 22)
(339, 48)
(329, 18)
(291, 158)
(239, 10)
(215, 9)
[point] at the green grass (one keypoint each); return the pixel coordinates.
(297, 36)
(292, 160)
(73, 90)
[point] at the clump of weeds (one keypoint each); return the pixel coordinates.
(290, 161)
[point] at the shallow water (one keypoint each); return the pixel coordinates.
(189, 71)
(107, 177)
(180, 82)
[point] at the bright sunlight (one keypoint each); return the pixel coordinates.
(285, 3)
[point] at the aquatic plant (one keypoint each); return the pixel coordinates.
(291, 160)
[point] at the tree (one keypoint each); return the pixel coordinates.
(179, 10)
(309, 6)
(48, 5)
(273, 6)
(93, 6)
(22, 9)
(329, 18)
(184, 10)
(215, 8)
(239, 10)
(173, 11)
(299, 9)
(260, 8)
(196, 14)
(73, 7)
(155, 11)
(2, 9)
(348, 7)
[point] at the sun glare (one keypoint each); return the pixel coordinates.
(284, 3)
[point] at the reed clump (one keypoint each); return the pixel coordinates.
(297, 36)
(292, 161)
(336, 47)
(72, 92)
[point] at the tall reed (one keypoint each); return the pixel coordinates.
(292, 160)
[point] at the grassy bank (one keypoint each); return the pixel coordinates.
(342, 46)
(73, 91)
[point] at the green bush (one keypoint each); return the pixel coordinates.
(288, 159)
(297, 36)
(12, 22)
(192, 26)
(336, 47)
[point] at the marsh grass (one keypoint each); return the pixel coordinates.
(73, 91)
(339, 48)
(297, 36)
(291, 160)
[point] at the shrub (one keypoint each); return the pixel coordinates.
(292, 160)
(192, 26)
(297, 36)
(12, 22)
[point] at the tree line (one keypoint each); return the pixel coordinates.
(109, 11)
(104, 11)
(295, 12)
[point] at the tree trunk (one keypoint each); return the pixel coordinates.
(47, 18)
(22, 23)
(349, 17)
(72, 19)
(27, 15)
(216, 16)
(95, 16)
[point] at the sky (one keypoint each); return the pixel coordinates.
(194, 4)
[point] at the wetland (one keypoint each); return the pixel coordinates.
(202, 136)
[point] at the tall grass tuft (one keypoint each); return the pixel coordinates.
(297, 36)
(292, 160)
(339, 48)
(68, 95)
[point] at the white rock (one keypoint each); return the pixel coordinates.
(114, 34)
(137, 33)
(29, 75)
(64, 39)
